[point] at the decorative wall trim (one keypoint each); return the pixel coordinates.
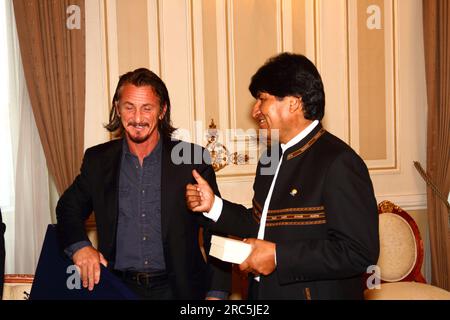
(97, 75)
(198, 67)
(161, 44)
(317, 33)
(153, 21)
(231, 67)
(191, 65)
(391, 78)
(286, 25)
(391, 45)
(112, 48)
(222, 60)
(406, 201)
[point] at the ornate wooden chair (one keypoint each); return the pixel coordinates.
(401, 258)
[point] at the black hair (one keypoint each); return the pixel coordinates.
(289, 74)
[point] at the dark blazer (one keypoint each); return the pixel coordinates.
(322, 216)
(96, 189)
(2, 253)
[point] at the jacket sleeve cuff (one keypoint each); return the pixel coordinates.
(70, 250)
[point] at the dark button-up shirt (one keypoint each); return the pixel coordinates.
(139, 240)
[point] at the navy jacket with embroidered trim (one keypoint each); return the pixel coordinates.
(322, 216)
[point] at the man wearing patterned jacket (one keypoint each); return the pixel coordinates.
(314, 223)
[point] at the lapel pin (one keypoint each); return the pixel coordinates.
(293, 192)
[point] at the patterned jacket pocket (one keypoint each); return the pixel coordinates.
(304, 216)
(291, 216)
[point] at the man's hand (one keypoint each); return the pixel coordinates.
(200, 196)
(88, 261)
(262, 258)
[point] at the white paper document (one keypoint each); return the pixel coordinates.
(229, 250)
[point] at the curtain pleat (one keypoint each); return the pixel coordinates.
(54, 64)
(436, 14)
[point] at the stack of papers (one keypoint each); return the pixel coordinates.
(229, 250)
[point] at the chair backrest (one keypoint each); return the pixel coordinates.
(401, 246)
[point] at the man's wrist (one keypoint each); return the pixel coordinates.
(70, 250)
(216, 209)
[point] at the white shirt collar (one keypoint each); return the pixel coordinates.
(299, 137)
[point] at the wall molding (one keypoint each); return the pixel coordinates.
(153, 21)
(227, 187)
(97, 75)
(390, 30)
(112, 46)
(286, 25)
(406, 201)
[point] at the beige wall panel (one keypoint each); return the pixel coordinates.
(210, 62)
(132, 35)
(372, 84)
(299, 26)
(153, 22)
(404, 186)
(255, 40)
(237, 189)
(333, 66)
(177, 61)
(97, 100)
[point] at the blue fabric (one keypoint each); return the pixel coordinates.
(70, 250)
(139, 241)
(222, 295)
(52, 277)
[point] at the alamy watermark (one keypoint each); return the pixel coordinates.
(73, 20)
(261, 146)
(74, 279)
(374, 280)
(374, 20)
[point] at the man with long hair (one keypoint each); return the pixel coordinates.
(136, 191)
